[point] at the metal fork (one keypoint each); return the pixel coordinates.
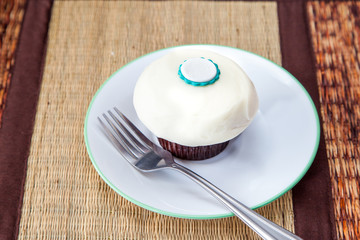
(146, 156)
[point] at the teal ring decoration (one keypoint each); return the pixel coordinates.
(197, 84)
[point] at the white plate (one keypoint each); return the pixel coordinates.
(263, 163)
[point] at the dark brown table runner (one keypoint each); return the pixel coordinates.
(312, 195)
(20, 104)
(307, 55)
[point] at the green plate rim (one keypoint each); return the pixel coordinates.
(311, 160)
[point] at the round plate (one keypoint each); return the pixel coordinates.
(257, 167)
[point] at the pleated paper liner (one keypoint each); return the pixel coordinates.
(335, 30)
(193, 153)
(89, 40)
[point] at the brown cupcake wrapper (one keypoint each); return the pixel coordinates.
(193, 153)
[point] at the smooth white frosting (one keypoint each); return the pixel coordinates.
(194, 115)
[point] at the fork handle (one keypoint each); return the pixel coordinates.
(262, 226)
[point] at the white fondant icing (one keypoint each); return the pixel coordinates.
(194, 116)
(198, 70)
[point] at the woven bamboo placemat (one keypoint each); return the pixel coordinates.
(89, 40)
(335, 36)
(11, 16)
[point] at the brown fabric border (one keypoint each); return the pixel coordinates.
(313, 208)
(11, 15)
(19, 115)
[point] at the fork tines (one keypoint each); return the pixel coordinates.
(124, 135)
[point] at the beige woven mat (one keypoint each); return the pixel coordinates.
(335, 34)
(89, 40)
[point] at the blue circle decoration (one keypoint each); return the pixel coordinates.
(200, 83)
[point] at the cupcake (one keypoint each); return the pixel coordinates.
(195, 101)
